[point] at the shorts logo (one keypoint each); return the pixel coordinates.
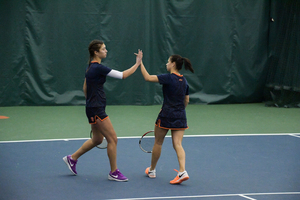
(92, 119)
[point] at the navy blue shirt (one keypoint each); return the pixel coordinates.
(175, 88)
(95, 78)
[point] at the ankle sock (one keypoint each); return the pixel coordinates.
(180, 173)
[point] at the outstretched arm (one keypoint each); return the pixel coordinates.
(132, 69)
(147, 77)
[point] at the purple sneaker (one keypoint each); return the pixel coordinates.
(117, 176)
(71, 163)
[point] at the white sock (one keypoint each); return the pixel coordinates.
(151, 170)
(180, 173)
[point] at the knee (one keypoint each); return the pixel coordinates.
(177, 145)
(113, 140)
(97, 141)
(159, 142)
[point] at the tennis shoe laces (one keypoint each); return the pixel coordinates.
(150, 174)
(117, 176)
(183, 176)
(71, 163)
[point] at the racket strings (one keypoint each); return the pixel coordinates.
(103, 144)
(147, 142)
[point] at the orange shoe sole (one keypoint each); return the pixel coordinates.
(179, 181)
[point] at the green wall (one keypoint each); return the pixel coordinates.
(44, 44)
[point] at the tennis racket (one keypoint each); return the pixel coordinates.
(103, 145)
(147, 141)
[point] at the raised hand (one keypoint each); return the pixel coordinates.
(139, 57)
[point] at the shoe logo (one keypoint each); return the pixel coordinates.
(71, 164)
(181, 175)
(114, 176)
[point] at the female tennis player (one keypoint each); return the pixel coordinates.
(101, 125)
(172, 115)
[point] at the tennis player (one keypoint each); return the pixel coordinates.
(172, 115)
(101, 125)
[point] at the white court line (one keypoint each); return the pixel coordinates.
(44, 140)
(216, 195)
(295, 135)
(246, 197)
(133, 137)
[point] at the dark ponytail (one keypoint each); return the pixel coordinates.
(180, 61)
(95, 45)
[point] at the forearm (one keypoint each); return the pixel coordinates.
(147, 76)
(130, 71)
(144, 72)
(186, 100)
(84, 88)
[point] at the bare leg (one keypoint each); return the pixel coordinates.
(100, 129)
(159, 140)
(177, 145)
(90, 143)
(107, 129)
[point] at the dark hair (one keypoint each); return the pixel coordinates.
(180, 61)
(95, 45)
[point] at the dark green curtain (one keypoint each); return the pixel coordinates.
(44, 48)
(283, 80)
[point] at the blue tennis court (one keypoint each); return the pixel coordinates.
(220, 167)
